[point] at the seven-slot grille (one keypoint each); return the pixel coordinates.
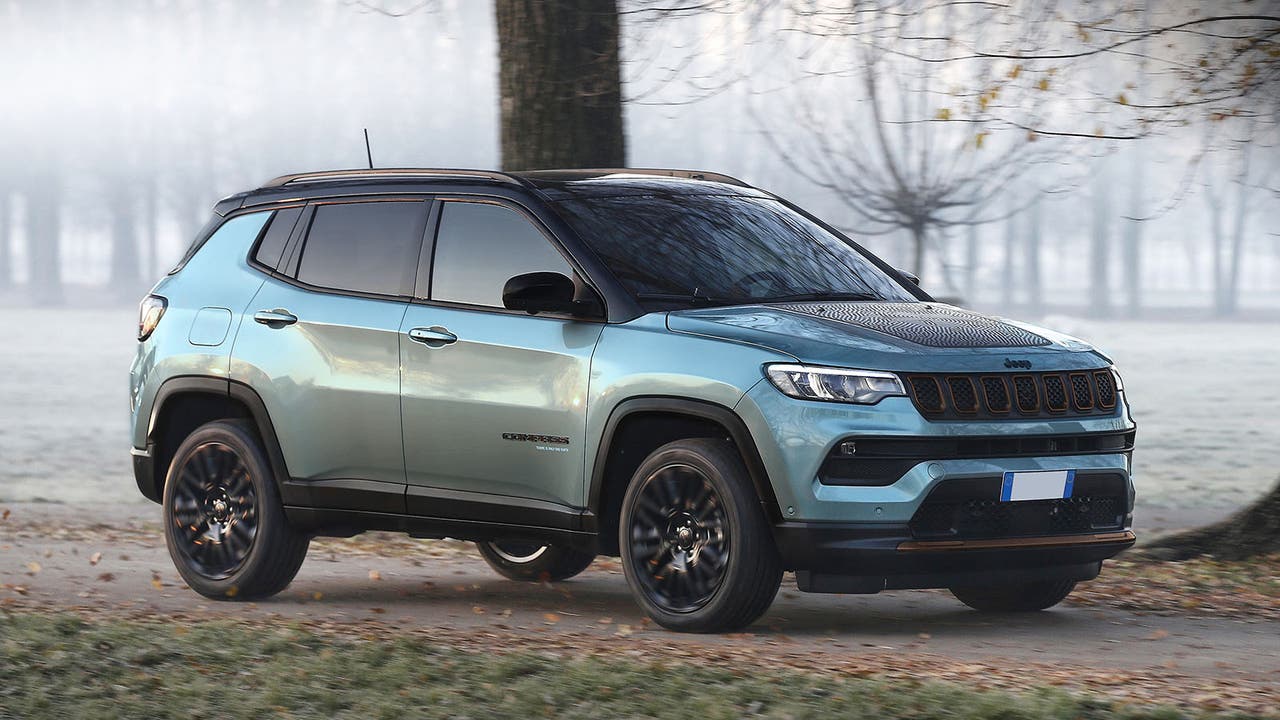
(1012, 396)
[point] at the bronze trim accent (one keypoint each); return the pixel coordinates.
(971, 410)
(1097, 377)
(1035, 388)
(942, 399)
(1027, 542)
(986, 395)
(1071, 382)
(1066, 392)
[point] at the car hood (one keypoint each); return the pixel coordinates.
(918, 336)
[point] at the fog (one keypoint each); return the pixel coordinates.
(124, 122)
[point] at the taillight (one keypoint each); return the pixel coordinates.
(149, 314)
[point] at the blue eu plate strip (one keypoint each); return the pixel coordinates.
(1006, 490)
(1071, 481)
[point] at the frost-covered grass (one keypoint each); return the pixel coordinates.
(1206, 397)
(57, 666)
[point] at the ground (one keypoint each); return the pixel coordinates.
(88, 594)
(1192, 635)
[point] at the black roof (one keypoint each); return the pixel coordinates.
(551, 184)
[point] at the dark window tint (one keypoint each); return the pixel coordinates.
(723, 247)
(366, 247)
(480, 246)
(271, 247)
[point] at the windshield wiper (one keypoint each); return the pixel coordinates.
(694, 298)
(826, 295)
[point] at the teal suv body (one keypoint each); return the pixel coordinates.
(671, 367)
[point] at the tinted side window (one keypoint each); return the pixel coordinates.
(271, 247)
(366, 247)
(480, 246)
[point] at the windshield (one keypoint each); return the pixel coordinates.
(723, 249)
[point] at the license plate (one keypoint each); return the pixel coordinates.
(1037, 485)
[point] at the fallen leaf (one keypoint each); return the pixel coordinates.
(375, 575)
(377, 611)
(5, 515)
(106, 577)
(623, 630)
(155, 580)
(605, 621)
(924, 636)
(1158, 635)
(551, 618)
(477, 609)
(232, 591)
(33, 568)
(95, 558)
(317, 596)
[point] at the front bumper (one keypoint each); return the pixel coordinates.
(868, 558)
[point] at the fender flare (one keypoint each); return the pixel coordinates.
(233, 390)
(702, 410)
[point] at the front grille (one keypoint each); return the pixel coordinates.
(1013, 396)
(878, 461)
(970, 509)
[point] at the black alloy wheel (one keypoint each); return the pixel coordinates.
(215, 511)
(678, 538)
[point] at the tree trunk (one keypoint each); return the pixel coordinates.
(44, 239)
(1253, 531)
(124, 240)
(1033, 275)
(1099, 243)
(1009, 283)
(973, 256)
(560, 84)
(1133, 235)
(917, 250)
(6, 270)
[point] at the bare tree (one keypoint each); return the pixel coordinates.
(875, 132)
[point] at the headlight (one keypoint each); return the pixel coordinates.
(149, 313)
(866, 387)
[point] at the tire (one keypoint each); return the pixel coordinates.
(1026, 597)
(224, 523)
(529, 562)
(696, 546)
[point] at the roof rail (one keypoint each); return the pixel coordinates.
(389, 174)
(662, 172)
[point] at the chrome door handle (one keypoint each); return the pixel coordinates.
(433, 337)
(277, 318)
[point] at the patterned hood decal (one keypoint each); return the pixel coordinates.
(923, 323)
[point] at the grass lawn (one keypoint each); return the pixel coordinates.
(55, 665)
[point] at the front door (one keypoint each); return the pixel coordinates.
(494, 401)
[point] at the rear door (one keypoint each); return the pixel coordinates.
(494, 401)
(321, 345)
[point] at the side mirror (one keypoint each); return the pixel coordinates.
(910, 276)
(546, 292)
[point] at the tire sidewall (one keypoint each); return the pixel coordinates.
(734, 499)
(270, 516)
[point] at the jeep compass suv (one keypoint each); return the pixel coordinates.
(671, 367)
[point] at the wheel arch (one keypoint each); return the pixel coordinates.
(638, 426)
(185, 403)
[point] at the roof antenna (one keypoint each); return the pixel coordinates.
(368, 153)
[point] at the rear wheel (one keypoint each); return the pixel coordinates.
(696, 545)
(529, 561)
(224, 523)
(1023, 597)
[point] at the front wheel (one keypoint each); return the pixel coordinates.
(532, 562)
(696, 545)
(1022, 597)
(224, 523)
